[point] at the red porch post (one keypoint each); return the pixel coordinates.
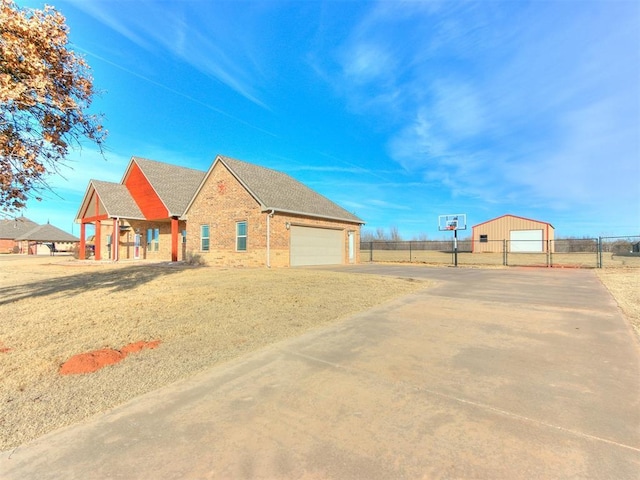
(174, 239)
(97, 240)
(81, 253)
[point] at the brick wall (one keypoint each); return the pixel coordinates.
(6, 245)
(223, 202)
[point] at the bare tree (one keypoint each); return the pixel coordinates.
(394, 235)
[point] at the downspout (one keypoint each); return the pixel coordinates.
(269, 215)
(116, 240)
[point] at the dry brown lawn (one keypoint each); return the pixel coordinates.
(624, 285)
(52, 308)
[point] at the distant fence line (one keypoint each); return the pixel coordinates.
(601, 252)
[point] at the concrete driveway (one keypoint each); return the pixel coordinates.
(514, 374)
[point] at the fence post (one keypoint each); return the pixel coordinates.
(410, 251)
(549, 259)
(599, 253)
(371, 251)
(504, 253)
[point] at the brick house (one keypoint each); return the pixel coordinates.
(47, 239)
(10, 230)
(21, 235)
(234, 214)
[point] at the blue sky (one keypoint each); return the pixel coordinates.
(398, 111)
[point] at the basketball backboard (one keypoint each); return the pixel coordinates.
(457, 221)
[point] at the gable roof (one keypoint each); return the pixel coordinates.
(14, 227)
(278, 191)
(177, 187)
(117, 200)
(513, 216)
(47, 233)
(174, 185)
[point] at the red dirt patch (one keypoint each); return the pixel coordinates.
(137, 346)
(93, 361)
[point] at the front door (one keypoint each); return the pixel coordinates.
(136, 246)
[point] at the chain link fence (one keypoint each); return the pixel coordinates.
(601, 252)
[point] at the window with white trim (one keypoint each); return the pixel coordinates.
(204, 238)
(241, 236)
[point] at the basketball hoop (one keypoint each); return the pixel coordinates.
(453, 223)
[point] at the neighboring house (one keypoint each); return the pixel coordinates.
(21, 235)
(47, 239)
(12, 228)
(235, 214)
(521, 234)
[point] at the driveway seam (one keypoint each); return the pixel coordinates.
(482, 406)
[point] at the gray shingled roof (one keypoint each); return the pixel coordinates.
(174, 185)
(117, 200)
(14, 227)
(47, 233)
(278, 191)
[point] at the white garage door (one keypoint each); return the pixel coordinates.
(526, 241)
(316, 246)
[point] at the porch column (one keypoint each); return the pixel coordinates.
(81, 253)
(115, 240)
(174, 239)
(98, 240)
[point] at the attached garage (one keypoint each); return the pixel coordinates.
(316, 246)
(516, 234)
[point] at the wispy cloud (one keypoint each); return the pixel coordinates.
(172, 90)
(84, 165)
(188, 31)
(366, 62)
(500, 103)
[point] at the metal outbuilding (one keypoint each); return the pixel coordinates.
(517, 234)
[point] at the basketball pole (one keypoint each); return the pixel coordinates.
(455, 247)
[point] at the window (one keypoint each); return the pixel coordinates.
(184, 237)
(204, 238)
(153, 236)
(484, 238)
(241, 236)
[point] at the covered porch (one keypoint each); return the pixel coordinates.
(121, 231)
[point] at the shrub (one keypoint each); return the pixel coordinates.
(192, 258)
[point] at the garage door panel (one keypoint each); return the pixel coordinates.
(316, 246)
(526, 241)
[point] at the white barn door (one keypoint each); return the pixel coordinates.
(529, 241)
